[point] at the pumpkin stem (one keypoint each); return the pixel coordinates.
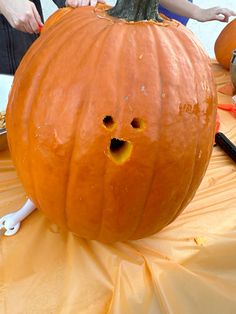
(136, 10)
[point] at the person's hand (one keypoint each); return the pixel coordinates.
(78, 3)
(22, 15)
(216, 13)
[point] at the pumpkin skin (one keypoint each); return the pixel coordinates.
(55, 17)
(89, 67)
(58, 14)
(225, 44)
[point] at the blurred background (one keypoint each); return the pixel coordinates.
(206, 32)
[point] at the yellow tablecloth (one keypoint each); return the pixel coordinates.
(188, 268)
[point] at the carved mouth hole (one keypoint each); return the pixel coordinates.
(109, 122)
(120, 150)
(138, 123)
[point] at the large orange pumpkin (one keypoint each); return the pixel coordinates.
(111, 122)
(225, 44)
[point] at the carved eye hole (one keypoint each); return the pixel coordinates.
(138, 124)
(109, 122)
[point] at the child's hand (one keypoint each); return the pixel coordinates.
(22, 15)
(216, 13)
(79, 3)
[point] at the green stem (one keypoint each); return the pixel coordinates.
(136, 10)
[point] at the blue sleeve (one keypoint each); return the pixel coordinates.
(181, 19)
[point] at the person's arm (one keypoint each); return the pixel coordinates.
(78, 3)
(190, 10)
(21, 15)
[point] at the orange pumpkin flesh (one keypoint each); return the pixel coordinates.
(111, 123)
(225, 44)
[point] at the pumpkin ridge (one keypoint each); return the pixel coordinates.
(189, 193)
(30, 167)
(29, 117)
(178, 44)
(72, 22)
(186, 199)
(193, 70)
(122, 107)
(104, 32)
(103, 199)
(159, 53)
(160, 109)
(44, 72)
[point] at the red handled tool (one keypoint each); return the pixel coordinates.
(40, 28)
(228, 107)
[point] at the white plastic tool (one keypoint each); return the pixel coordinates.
(10, 224)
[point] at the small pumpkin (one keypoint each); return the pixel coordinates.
(225, 44)
(111, 120)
